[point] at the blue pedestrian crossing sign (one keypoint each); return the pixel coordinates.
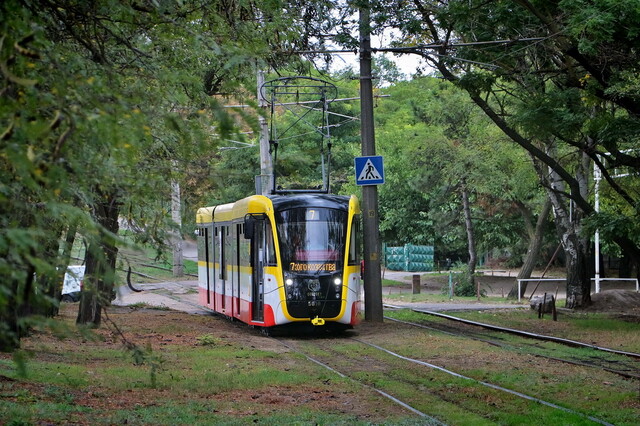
(369, 170)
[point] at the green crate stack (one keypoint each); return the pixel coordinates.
(418, 258)
(410, 258)
(395, 258)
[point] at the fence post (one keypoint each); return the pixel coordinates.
(450, 285)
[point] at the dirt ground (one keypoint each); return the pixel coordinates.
(145, 327)
(616, 301)
(158, 329)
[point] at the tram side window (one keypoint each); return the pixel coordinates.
(216, 246)
(354, 245)
(201, 242)
(270, 255)
(221, 231)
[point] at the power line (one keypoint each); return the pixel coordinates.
(416, 48)
(413, 49)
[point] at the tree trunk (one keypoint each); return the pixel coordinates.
(9, 333)
(100, 262)
(470, 239)
(536, 236)
(67, 246)
(576, 248)
(47, 284)
(34, 293)
(578, 277)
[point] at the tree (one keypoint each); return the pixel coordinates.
(535, 231)
(100, 101)
(561, 93)
(435, 142)
(34, 141)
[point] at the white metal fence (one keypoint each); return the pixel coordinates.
(598, 280)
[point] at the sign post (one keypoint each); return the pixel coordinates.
(373, 311)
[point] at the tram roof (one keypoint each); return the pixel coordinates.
(283, 202)
(265, 204)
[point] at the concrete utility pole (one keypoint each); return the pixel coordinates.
(372, 281)
(266, 165)
(176, 216)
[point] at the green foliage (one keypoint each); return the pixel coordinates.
(102, 107)
(463, 286)
(431, 144)
(208, 340)
(20, 360)
(476, 82)
(564, 88)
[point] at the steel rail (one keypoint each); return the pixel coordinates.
(504, 345)
(487, 384)
(529, 334)
(381, 392)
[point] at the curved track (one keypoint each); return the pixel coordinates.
(616, 366)
(528, 334)
(338, 361)
(385, 370)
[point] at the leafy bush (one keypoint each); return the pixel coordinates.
(462, 285)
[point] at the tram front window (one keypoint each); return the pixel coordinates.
(312, 240)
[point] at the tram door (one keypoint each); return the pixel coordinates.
(222, 266)
(236, 272)
(207, 262)
(258, 255)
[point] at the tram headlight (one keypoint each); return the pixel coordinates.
(288, 281)
(337, 282)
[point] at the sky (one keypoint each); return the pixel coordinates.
(408, 64)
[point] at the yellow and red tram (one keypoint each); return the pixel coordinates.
(281, 259)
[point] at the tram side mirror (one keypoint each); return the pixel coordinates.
(250, 221)
(249, 227)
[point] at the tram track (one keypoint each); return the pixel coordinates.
(411, 376)
(630, 371)
(627, 370)
(394, 379)
(528, 334)
(430, 419)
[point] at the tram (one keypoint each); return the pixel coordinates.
(282, 259)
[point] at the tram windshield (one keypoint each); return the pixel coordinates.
(312, 240)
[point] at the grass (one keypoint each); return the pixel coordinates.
(407, 296)
(598, 328)
(188, 372)
(203, 370)
(464, 401)
(595, 328)
(160, 269)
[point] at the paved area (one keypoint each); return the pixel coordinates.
(182, 296)
(176, 295)
(456, 306)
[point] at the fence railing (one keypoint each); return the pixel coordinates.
(520, 280)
